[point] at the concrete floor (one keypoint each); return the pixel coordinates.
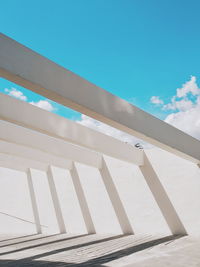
(99, 250)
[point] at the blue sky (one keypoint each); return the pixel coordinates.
(135, 49)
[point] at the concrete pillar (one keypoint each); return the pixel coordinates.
(115, 199)
(33, 202)
(56, 203)
(162, 199)
(82, 200)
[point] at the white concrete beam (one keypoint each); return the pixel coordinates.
(33, 202)
(56, 202)
(117, 204)
(26, 156)
(35, 72)
(162, 199)
(56, 147)
(56, 126)
(20, 163)
(82, 200)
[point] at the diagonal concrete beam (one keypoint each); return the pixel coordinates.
(49, 145)
(115, 199)
(82, 200)
(35, 72)
(21, 157)
(20, 163)
(33, 201)
(56, 201)
(70, 131)
(166, 207)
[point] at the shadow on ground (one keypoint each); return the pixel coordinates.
(36, 260)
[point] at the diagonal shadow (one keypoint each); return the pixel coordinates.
(28, 240)
(97, 262)
(127, 251)
(19, 237)
(66, 249)
(42, 244)
(14, 263)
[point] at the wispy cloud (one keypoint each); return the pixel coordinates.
(44, 104)
(156, 100)
(16, 93)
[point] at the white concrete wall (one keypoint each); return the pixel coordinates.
(15, 202)
(180, 178)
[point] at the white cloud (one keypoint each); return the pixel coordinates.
(16, 93)
(108, 130)
(181, 105)
(186, 108)
(188, 87)
(44, 104)
(156, 100)
(182, 100)
(187, 121)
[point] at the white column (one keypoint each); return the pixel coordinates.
(82, 200)
(33, 202)
(115, 199)
(162, 199)
(56, 203)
